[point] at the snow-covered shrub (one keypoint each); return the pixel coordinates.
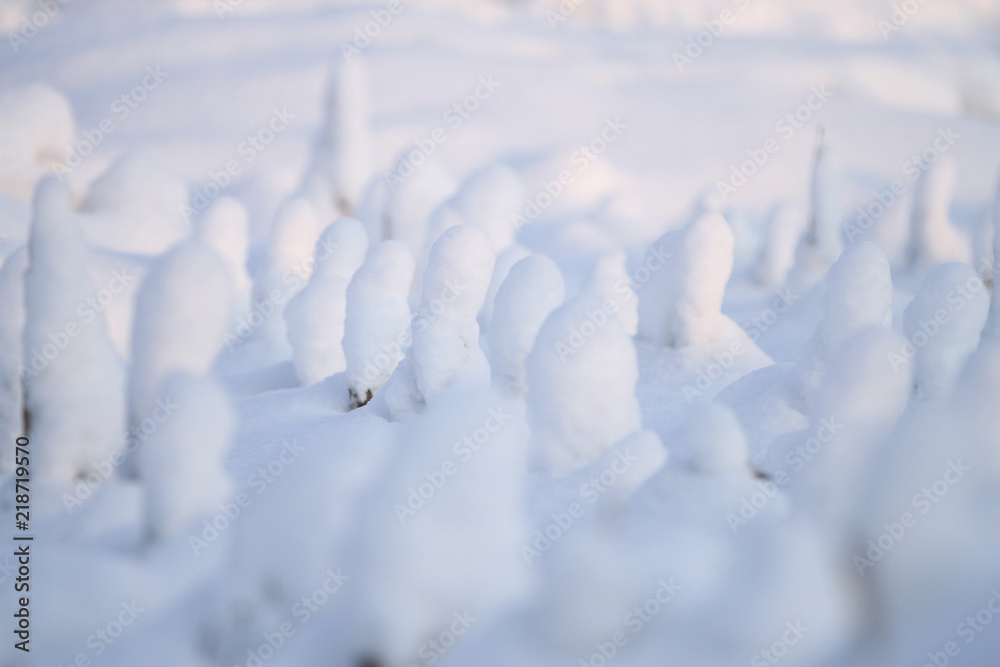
(505, 260)
(942, 325)
(314, 317)
(446, 333)
(181, 464)
(610, 280)
(682, 302)
(11, 353)
(489, 199)
(933, 238)
(36, 135)
(287, 266)
(182, 311)
(225, 228)
(74, 380)
(342, 157)
(135, 206)
(777, 255)
(857, 296)
(581, 377)
(377, 319)
(822, 242)
(409, 194)
(533, 288)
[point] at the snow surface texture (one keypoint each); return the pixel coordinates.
(483, 332)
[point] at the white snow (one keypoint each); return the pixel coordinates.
(74, 381)
(37, 134)
(314, 318)
(581, 377)
(660, 335)
(533, 288)
(136, 206)
(377, 318)
(181, 464)
(942, 325)
(933, 238)
(182, 311)
(446, 333)
(682, 305)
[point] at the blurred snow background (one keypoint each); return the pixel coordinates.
(475, 332)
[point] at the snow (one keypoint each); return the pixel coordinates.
(135, 206)
(533, 288)
(683, 304)
(181, 316)
(377, 318)
(182, 463)
(38, 129)
(933, 238)
(314, 318)
(482, 332)
(446, 337)
(942, 326)
(581, 377)
(74, 381)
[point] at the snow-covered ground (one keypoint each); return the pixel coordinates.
(472, 332)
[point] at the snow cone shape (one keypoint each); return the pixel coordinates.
(718, 444)
(181, 464)
(315, 316)
(36, 135)
(377, 319)
(225, 229)
(858, 296)
(533, 289)
(943, 324)
(822, 242)
(505, 260)
(291, 243)
(74, 379)
(11, 354)
(415, 192)
(182, 311)
(933, 239)
(784, 227)
(446, 343)
(290, 246)
(827, 202)
(682, 302)
(342, 160)
(489, 199)
(136, 206)
(581, 378)
(610, 280)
